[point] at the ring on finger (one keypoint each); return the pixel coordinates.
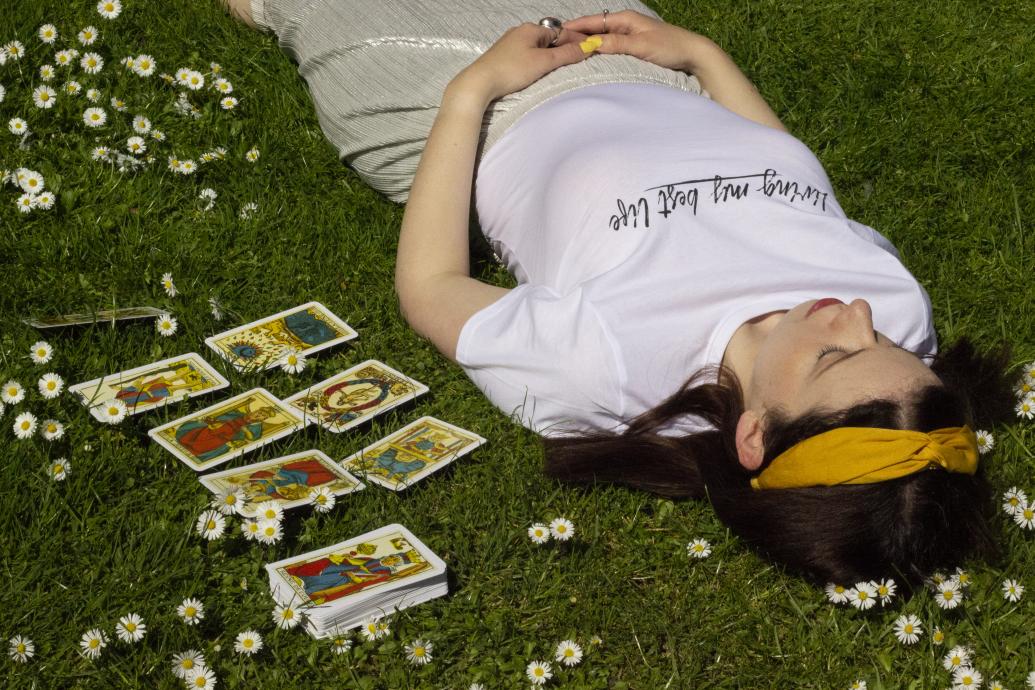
(604, 30)
(554, 25)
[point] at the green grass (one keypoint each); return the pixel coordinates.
(923, 115)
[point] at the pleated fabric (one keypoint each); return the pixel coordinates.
(376, 70)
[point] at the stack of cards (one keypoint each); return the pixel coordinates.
(370, 576)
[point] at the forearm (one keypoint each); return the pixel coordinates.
(726, 84)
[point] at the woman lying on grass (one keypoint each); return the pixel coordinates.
(695, 314)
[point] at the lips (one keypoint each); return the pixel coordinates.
(820, 303)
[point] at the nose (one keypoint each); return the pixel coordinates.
(857, 319)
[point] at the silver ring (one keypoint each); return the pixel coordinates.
(554, 25)
(604, 30)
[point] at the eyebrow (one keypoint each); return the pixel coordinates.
(847, 357)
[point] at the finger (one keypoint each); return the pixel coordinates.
(546, 36)
(568, 36)
(617, 44)
(594, 24)
(567, 54)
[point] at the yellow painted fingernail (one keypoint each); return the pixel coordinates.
(591, 44)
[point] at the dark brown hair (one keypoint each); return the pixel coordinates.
(904, 528)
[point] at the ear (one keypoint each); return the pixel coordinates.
(749, 440)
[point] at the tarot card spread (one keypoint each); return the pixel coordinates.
(227, 429)
(355, 395)
(412, 453)
(262, 344)
(287, 480)
(152, 385)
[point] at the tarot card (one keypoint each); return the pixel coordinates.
(152, 385)
(378, 562)
(287, 480)
(261, 344)
(113, 315)
(412, 453)
(227, 429)
(355, 395)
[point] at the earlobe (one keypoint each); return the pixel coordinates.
(750, 450)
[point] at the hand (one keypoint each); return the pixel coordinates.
(520, 57)
(630, 33)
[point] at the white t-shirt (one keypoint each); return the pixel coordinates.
(644, 226)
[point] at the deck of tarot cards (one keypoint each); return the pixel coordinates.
(373, 575)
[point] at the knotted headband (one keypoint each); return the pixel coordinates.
(861, 455)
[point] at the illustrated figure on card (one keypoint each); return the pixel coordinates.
(153, 388)
(210, 437)
(339, 575)
(291, 481)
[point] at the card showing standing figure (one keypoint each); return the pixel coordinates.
(355, 395)
(227, 429)
(412, 453)
(151, 386)
(262, 344)
(289, 480)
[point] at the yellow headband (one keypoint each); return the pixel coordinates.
(860, 455)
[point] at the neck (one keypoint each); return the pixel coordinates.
(743, 346)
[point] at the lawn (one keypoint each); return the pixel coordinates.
(923, 115)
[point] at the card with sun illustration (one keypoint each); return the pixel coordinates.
(262, 344)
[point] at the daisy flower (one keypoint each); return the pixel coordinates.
(47, 72)
(995, 685)
(215, 68)
(908, 629)
(858, 685)
(249, 642)
(93, 643)
(228, 103)
(182, 75)
(88, 35)
(92, 63)
(863, 596)
(64, 58)
(285, 617)
(13, 393)
(539, 533)
(836, 594)
(962, 578)
(18, 126)
(270, 510)
(562, 529)
(477, 686)
(52, 430)
(60, 469)
(250, 529)
(195, 80)
(44, 97)
(3, 92)
(41, 351)
(699, 548)
(252, 155)
(1025, 517)
(949, 595)
(44, 200)
(115, 411)
(956, 657)
(340, 644)
(100, 153)
(157, 135)
(985, 441)
(248, 210)
(211, 525)
(31, 182)
(1026, 407)
(568, 653)
(1031, 680)
(418, 652)
(168, 285)
(131, 628)
(109, 9)
(538, 672)
(136, 145)
(118, 104)
(371, 629)
(144, 65)
(937, 636)
(185, 662)
(223, 86)
(1014, 499)
(321, 498)
(25, 425)
(20, 648)
(50, 385)
(15, 50)
(95, 117)
(293, 362)
(270, 531)
(72, 88)
(26, 202)
(209, 196)
(1012, 590)
(191, 611)
(141, 125)
(187, 167)
(230, 500)
(966, 677)
(886, 590)
(1025, 388)
(166, 325)
(200, 678)
(48, 33)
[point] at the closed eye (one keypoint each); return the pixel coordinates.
(828, 349)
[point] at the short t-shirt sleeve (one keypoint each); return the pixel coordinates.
(545, 359)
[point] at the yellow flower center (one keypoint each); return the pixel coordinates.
(908, 629)
(44, 96)
(187, 664)
(418, 651)
(321, 499)
(247, 644)
(270, 531)
(211, 524)
(562, 529)
(113, 411)
(52, 428)
(1028, 514)
(947, 595)
(59, 468)
(569, 652)
(51, 385)
(109, 7)
(20, 648)
(26, 425)
(288, 614)
(94, 643)
(12, 391)
(190, 611)
(863, 596)
(131, 627)
(537, 672)
(231, 499)
(956, 661)
(200, 682)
